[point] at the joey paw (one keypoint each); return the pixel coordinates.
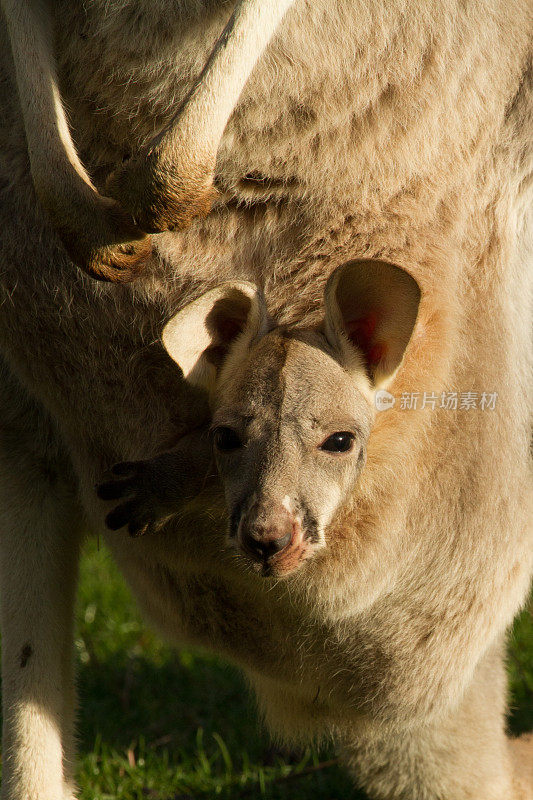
(130, 484)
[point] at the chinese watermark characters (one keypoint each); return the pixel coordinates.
(449, 401)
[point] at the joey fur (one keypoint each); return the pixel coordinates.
(389, 131)
(292, 410)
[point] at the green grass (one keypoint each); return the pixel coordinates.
(172, 725)
(521, 672)
(160, 724)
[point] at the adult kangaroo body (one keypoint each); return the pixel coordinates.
(389, 130)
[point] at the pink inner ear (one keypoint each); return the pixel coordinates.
(361, 332)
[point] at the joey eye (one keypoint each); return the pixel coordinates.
(226, 439)
(340, 442)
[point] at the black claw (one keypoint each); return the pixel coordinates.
(136, 528)
(120, 516)
(114, 490)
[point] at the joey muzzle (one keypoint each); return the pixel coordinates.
(266, 530)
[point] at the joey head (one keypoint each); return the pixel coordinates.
(292, 409)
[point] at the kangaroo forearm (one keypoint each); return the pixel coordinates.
(98, 235)
(171, 182)
(206, 111)
(52, 154)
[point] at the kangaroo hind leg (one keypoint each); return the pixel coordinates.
(39, 543)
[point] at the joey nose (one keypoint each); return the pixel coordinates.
(262, 537)
(265, 548)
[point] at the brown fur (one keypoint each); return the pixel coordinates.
(166, 202)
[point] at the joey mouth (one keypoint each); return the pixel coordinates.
(274, 540)
(288, 562)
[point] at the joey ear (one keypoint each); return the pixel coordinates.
(371, 307)
(201, 335)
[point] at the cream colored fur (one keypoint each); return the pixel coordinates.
(391, 130)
